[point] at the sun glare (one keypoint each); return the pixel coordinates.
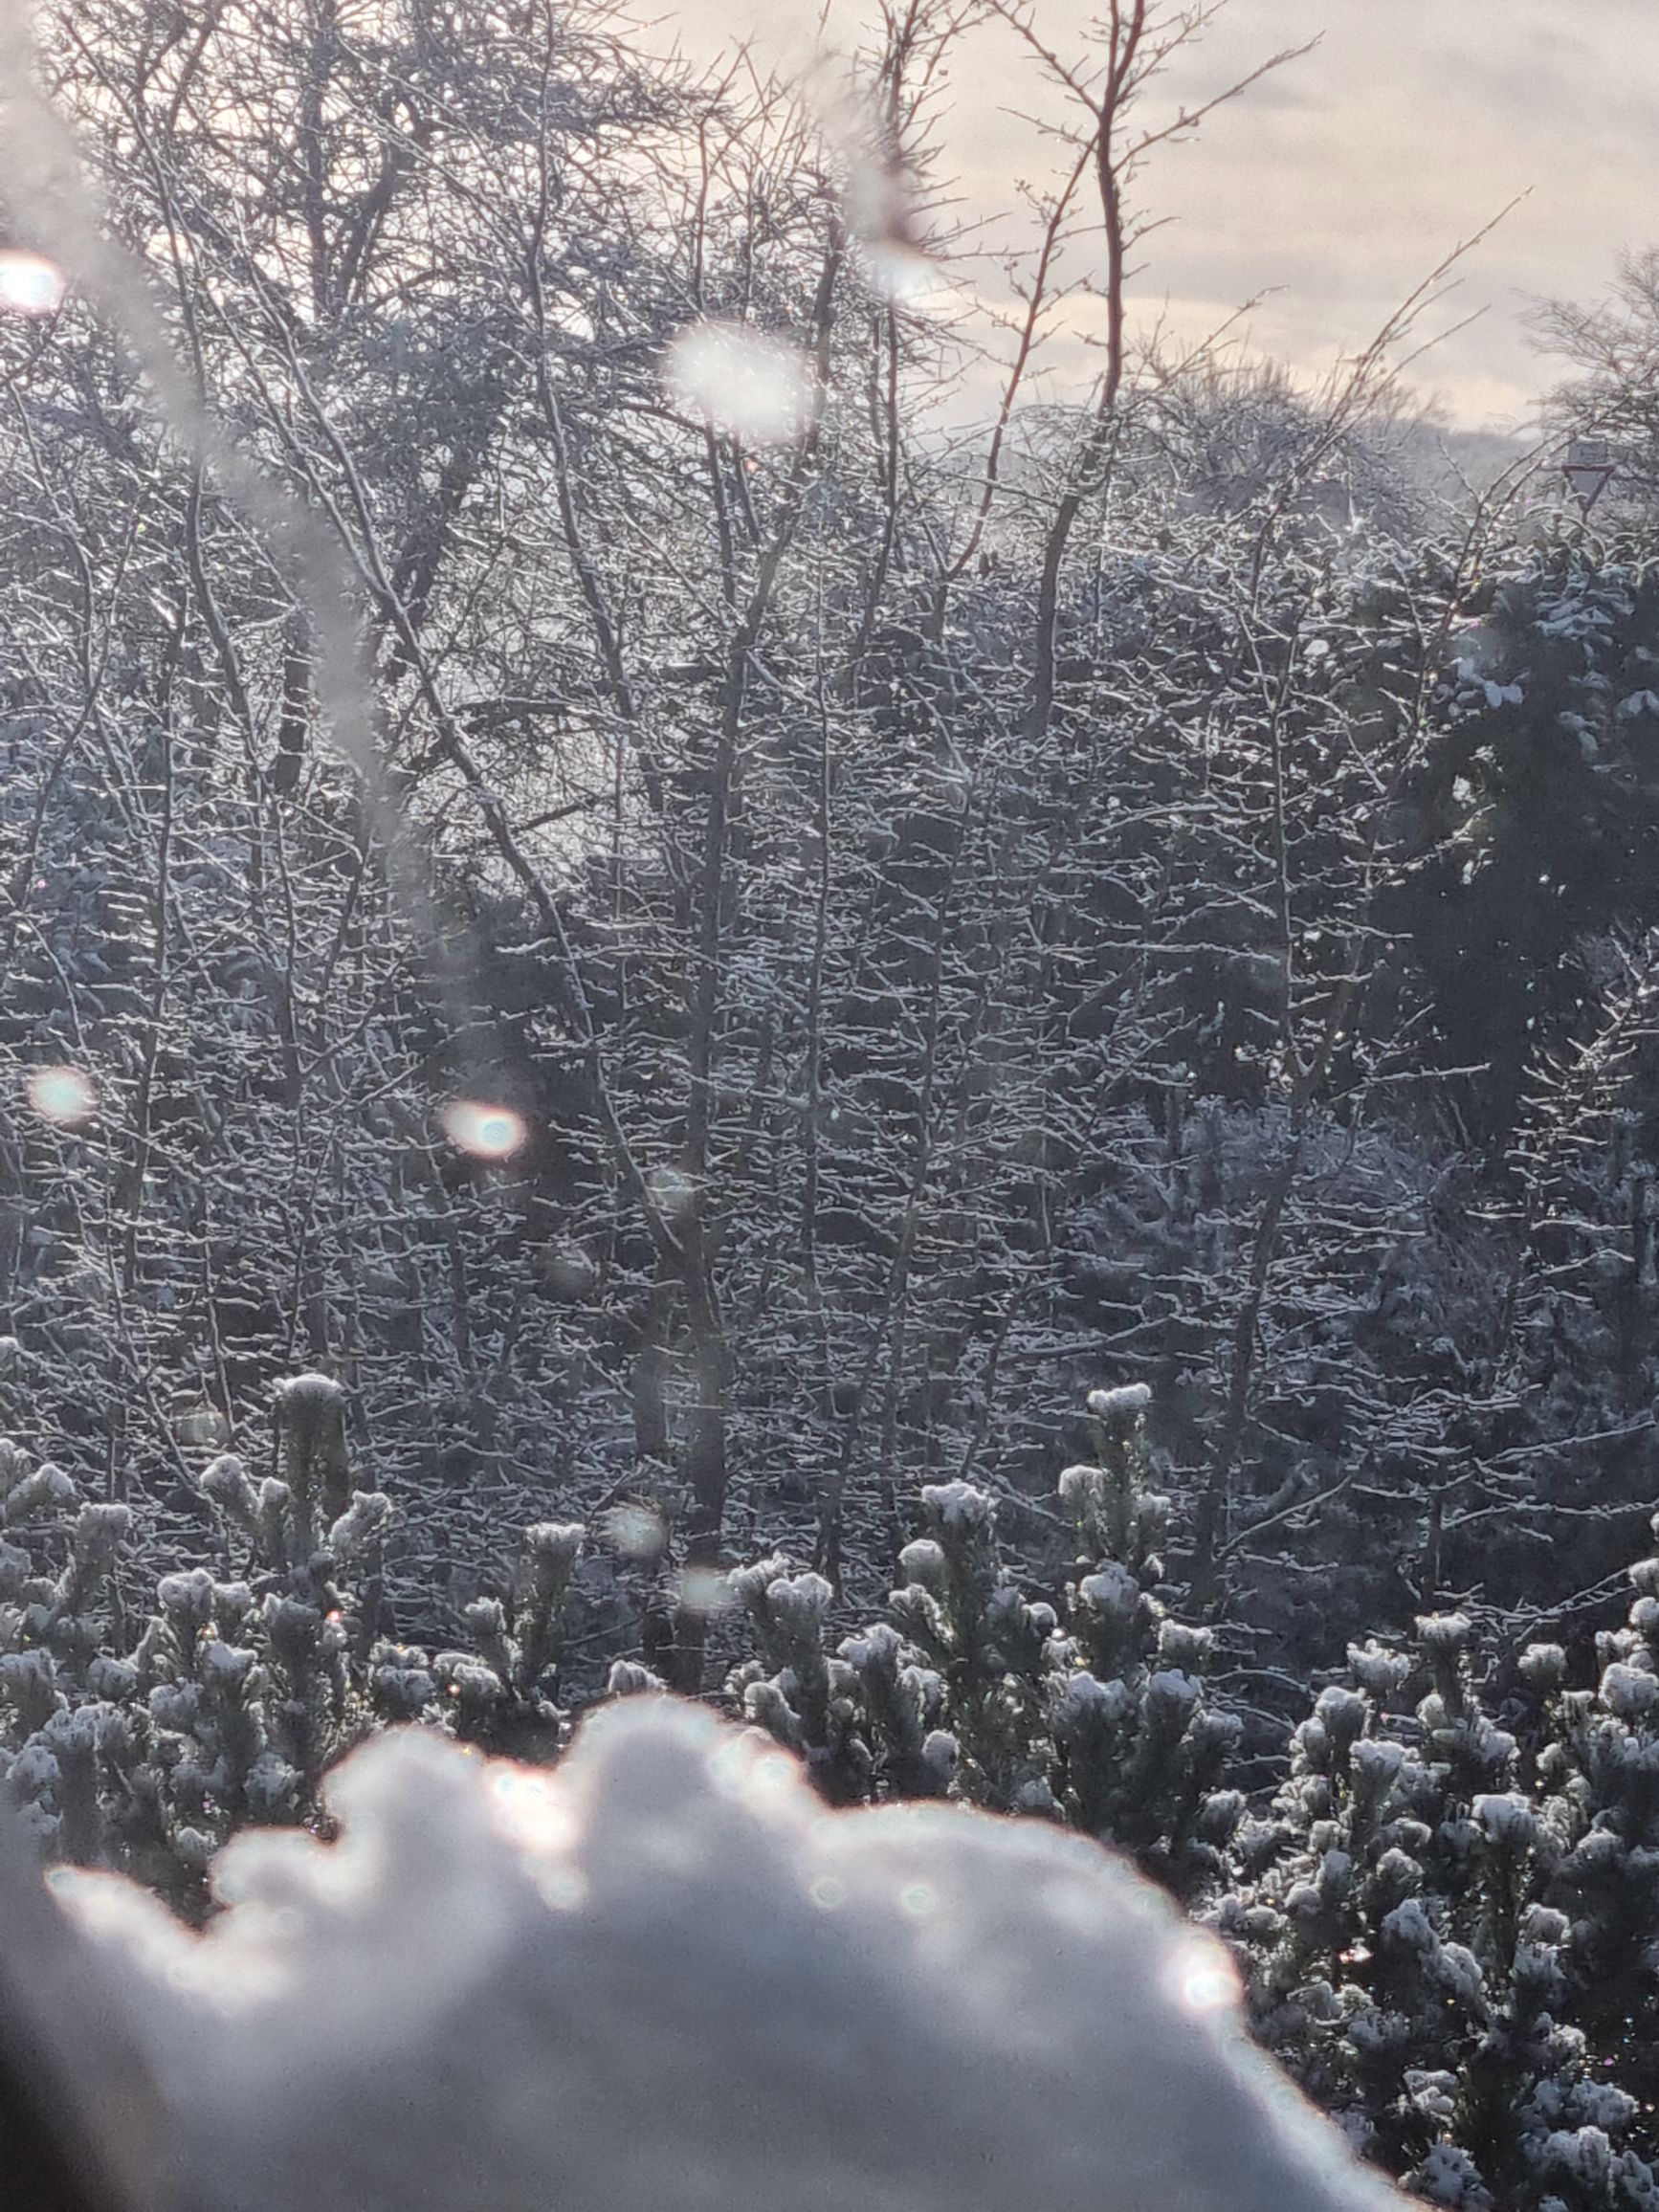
(30, 284)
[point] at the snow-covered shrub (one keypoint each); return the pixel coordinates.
(1443, 1918)
(1447, 1938)
(143, 1743)
(1090, 1708)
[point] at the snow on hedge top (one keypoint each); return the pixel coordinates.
(665, 1974)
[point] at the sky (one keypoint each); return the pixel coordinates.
(1329, 191)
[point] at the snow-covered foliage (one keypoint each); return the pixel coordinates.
(1445, 1923)
(144, 1742)
(1443, 1919)
(1090, 1709)
(666, 1975)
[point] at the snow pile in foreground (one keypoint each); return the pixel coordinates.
(664, 1975)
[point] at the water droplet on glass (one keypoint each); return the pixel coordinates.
(879, 204)
(486, 1132)
(570, 1273)
(63, 1095)
(673, 1192)
(202, 1425)
(742, 384)
(637, 1531)
(705, 1590)
(30, 284)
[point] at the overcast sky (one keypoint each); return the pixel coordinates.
(1336, 186)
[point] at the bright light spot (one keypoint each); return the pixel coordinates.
(30, 284)
(637, 1531)
(1203, 1979)
(826, 1892)
(764, 1781)
(63, 1095)
(486, 1132)
(742, 384)
(903, 276)
(772, 1775)
(1207, 1988)
(570, 1273)
(729, 1765)
(918, 1899)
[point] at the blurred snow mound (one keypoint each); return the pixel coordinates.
(665, 1974)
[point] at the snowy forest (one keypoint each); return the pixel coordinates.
(712, 991)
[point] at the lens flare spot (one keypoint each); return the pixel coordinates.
(30, 284)
(570, 1274)
(1203, 1978)
(903, 279)
(486, 1132)
(63, 1095)
(918, 1900)
(202, 1425)
(828, 1893)
(562, 1888)
(672, 1193)
(764, 1781)
(771, 1778)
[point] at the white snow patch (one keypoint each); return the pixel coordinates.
(621, 1983)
